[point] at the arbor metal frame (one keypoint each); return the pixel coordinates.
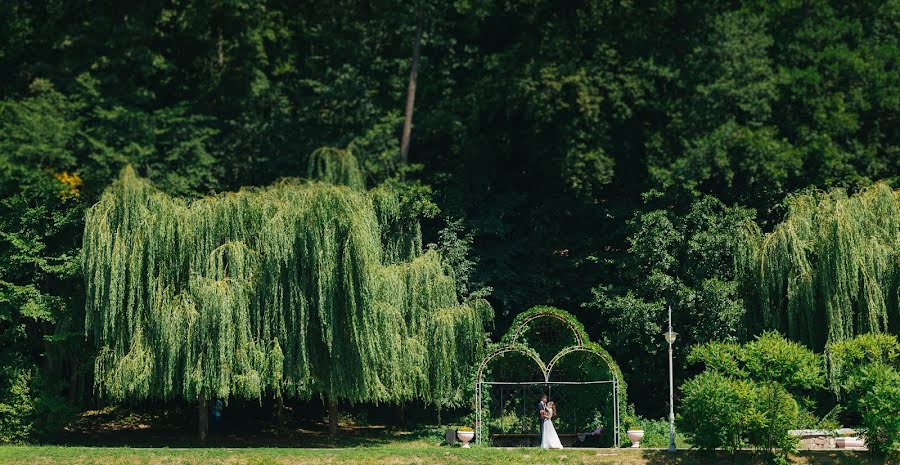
(511, 344)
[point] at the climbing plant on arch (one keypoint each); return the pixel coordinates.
(547, 348)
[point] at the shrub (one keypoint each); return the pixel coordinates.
(875, 395)
(746, 396)
(52, 412)
(656, 434)
(718, 411)
(782, 413)
(845, 357)
(770, 357)
(30, 407)
(16, 405)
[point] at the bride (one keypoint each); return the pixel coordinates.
(550, 440)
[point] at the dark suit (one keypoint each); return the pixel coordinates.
(540, 408)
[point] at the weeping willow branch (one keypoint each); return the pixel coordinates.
(830, 271)
(285, 289)
(335, 166)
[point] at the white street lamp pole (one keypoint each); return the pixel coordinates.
(670, 338)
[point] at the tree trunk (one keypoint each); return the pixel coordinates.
(401, 415)
(411, 90)
(439, 415)
(203, 419)
(332, 417)
(74, 383)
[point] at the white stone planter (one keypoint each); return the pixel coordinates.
(465, 437)
(849, 442)
(635, 436)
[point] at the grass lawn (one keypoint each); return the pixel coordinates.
(423, 454)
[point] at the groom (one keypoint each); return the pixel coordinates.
(542, 412)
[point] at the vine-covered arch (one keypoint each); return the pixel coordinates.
(524, 319)
(590, 347)
(501, 349)
(525, 332)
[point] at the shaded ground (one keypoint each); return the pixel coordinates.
(242, 426)
(410, 453)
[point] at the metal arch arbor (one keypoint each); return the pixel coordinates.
(522, 325)
(512, 345)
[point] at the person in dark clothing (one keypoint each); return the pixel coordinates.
(542, 411)
(216, 416)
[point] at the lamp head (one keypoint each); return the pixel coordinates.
(670, 336)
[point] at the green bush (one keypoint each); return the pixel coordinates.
(16, 405)
(746, 395)
(51, 411)
(845, 357)
(656, 434)
(718, 412)
(782, 414)
(721, 412)
(875, 394)
(769, 357)
(30, 407)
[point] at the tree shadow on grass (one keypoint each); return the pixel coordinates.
(824, 457)
(114, 427)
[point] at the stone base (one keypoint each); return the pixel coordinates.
(825, 440)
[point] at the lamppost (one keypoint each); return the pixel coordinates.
(670, 338)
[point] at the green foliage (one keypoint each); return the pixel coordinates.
(846, 356)
(378, 151)
(782, 413)
(41, 214)
(752, 387)
(875, 390)
(863, 371)
(39, 210)
(720, 412)
(335, 166)
(677, 258)
(281, 289)
(454, 246)
(16, 405)
(52, 411)
(769, 357)
(29, 404)
(830, 270)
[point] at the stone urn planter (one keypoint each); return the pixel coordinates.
(635, 436)
(849, 442)
(465, 437)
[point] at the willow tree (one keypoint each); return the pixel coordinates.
(283, 290)
(831, 270)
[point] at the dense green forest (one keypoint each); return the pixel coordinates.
(608, 158)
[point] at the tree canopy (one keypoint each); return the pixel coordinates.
(285, 288)
(834, 263)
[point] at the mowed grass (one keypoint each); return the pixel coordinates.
(419, 454)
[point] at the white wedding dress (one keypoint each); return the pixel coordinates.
(550, 440)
